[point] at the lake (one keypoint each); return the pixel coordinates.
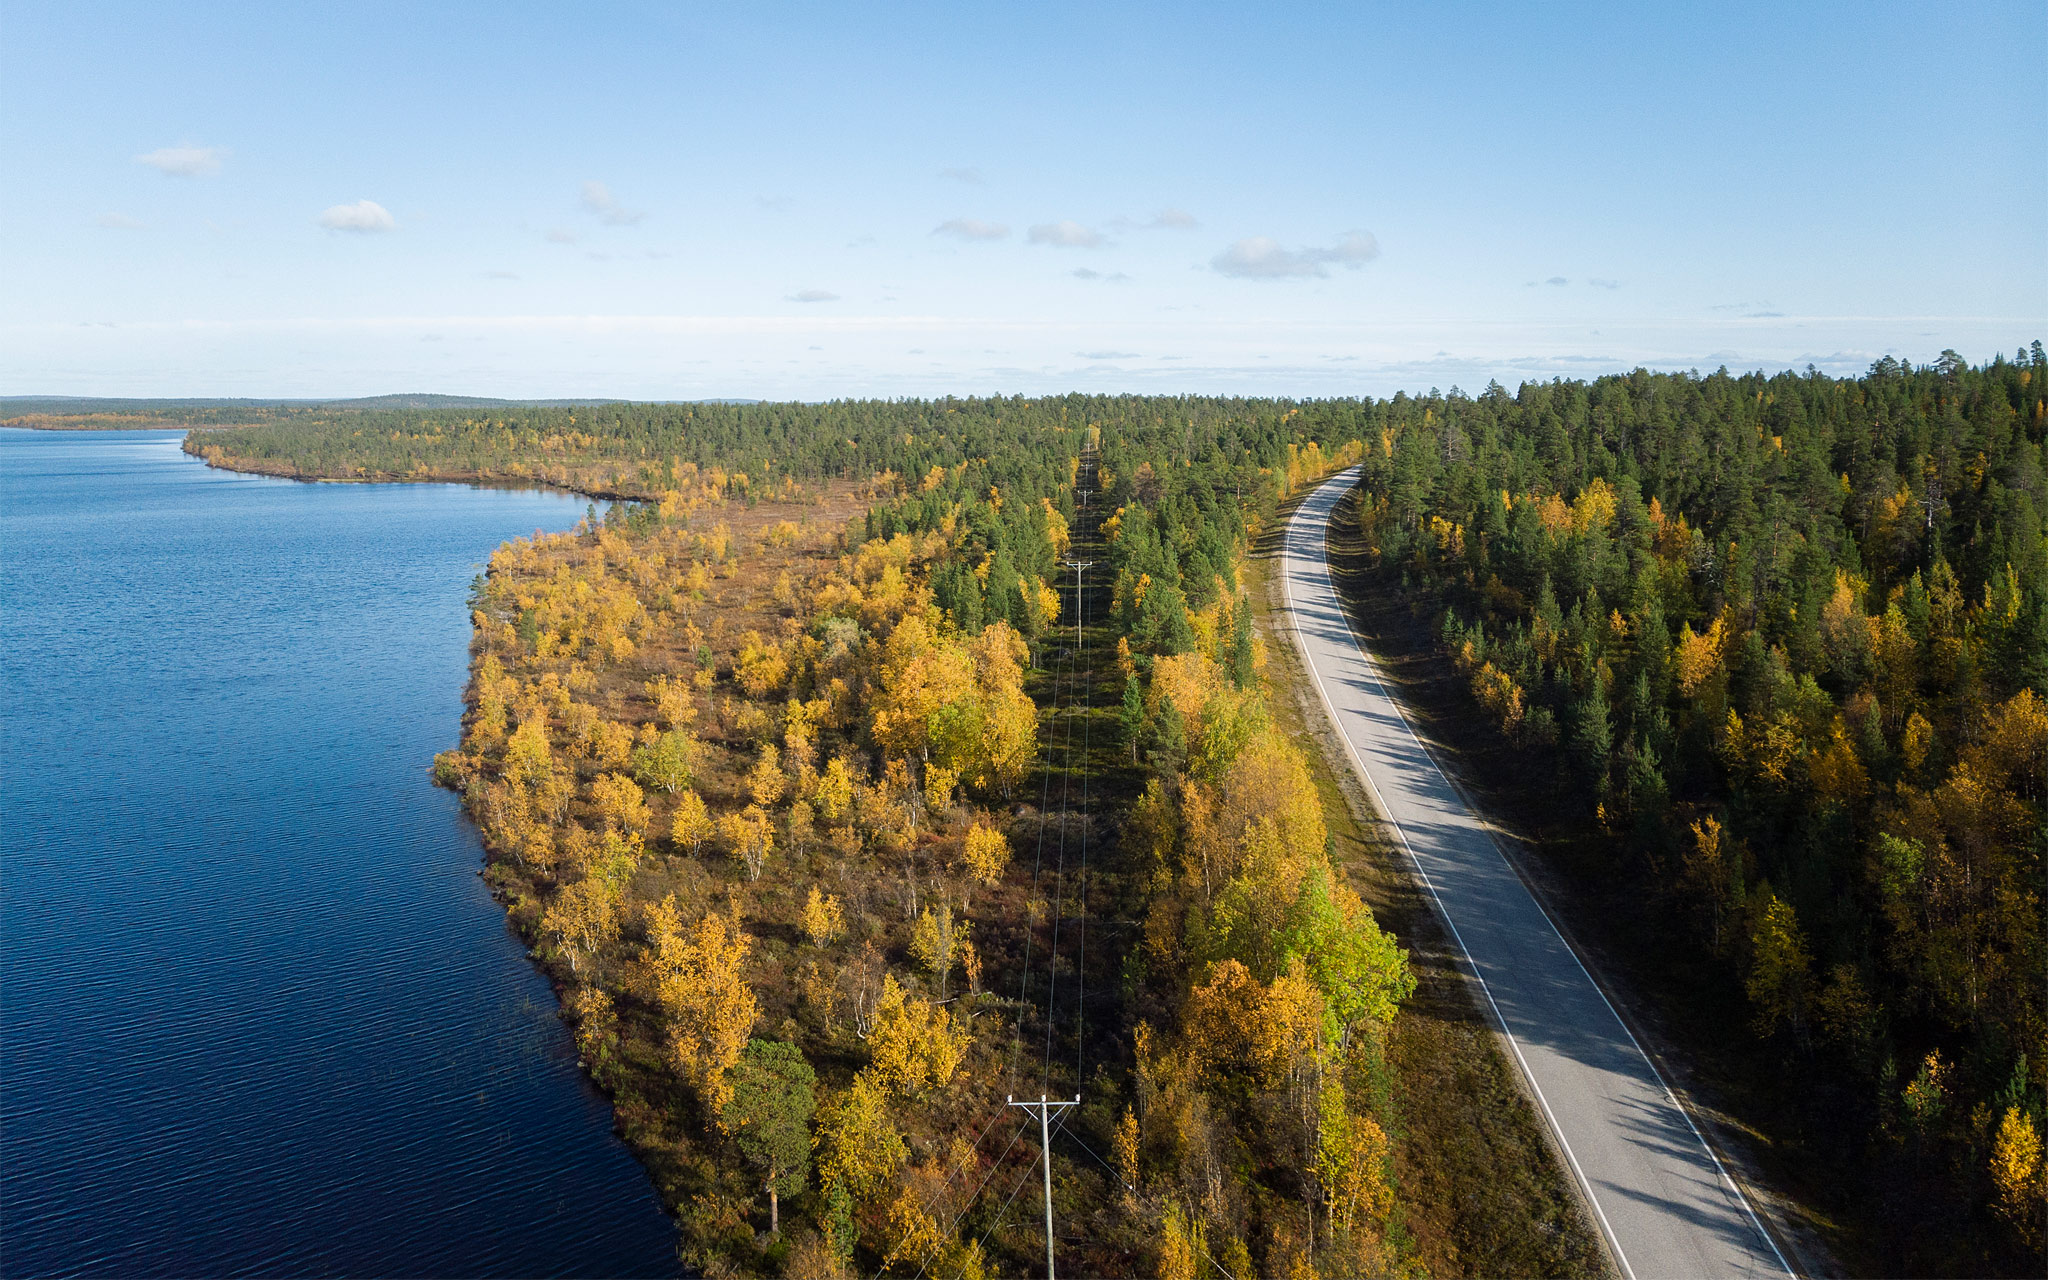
(260, 1016)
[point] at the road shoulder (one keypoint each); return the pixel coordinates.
(1483, 1188)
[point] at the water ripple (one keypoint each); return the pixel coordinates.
(260, 1017)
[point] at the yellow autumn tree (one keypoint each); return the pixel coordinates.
(672, 700)
(528, 758)
(823, 920)
(987, 854)
(915, 1045)
(1237, 1024)
(834, 791)
(619, 804)
(2018, 1175)
(692, 824)
(582, 918)
(935, 942)
(1697, 656)
(858, 1146)
(1267, 781)
(750, 836)
(1123, 1145)
(762, 668)
(1182, 1248)
(1780, 969)
(699, 978)
(938, 790)
(958, 705)
(1351, 1163)
(766, 782)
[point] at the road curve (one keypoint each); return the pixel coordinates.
(1659, 1195)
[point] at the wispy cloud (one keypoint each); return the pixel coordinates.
(561, 235)
(118, 222)
(970, 176)
(812, 295)
(1172, 220)
(1262, 258)
(1067, 234)
(598, 199)
(971, 229)
(1107, 355)
(1090, 273)
(1604, 284)
(500, 275)
(363, 217)
(184, 161)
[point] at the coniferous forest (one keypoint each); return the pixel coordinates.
(1785, 641)
(835, 831)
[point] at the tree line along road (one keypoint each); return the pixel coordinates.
(1659, 1195)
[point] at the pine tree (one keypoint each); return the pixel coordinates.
(1241, 672)
(769, 1117)
(1132, 716)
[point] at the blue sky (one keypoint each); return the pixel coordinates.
(664, 201)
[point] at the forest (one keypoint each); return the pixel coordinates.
(792, 764)
(757, 777)
(1783, 641)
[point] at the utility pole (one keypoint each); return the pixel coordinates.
(1044, 1110)
(1077, 566)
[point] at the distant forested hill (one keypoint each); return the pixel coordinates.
(113, 413)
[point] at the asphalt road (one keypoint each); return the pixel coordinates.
(1660, 1196)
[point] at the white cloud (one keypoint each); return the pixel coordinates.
(972, 177)
(185, 162)
(500, 275)
(1067, 234)
(598, 199)
(1262, 258)
(1172, 220)
(1090, 273)
(561, 235)
(812, 295)
(1604, 284)
(364, 216)
(118, 222)
(1107, 355)
(971, 229)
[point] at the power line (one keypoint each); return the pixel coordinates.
(1087, 725)
(1005, 1210)
(1044, 1109)
(1059, 896)
(970, 1199)
(975, 1149)
(1037, 858)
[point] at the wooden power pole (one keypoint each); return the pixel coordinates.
(1045, 1110)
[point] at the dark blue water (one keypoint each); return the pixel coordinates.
(259, 1015)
